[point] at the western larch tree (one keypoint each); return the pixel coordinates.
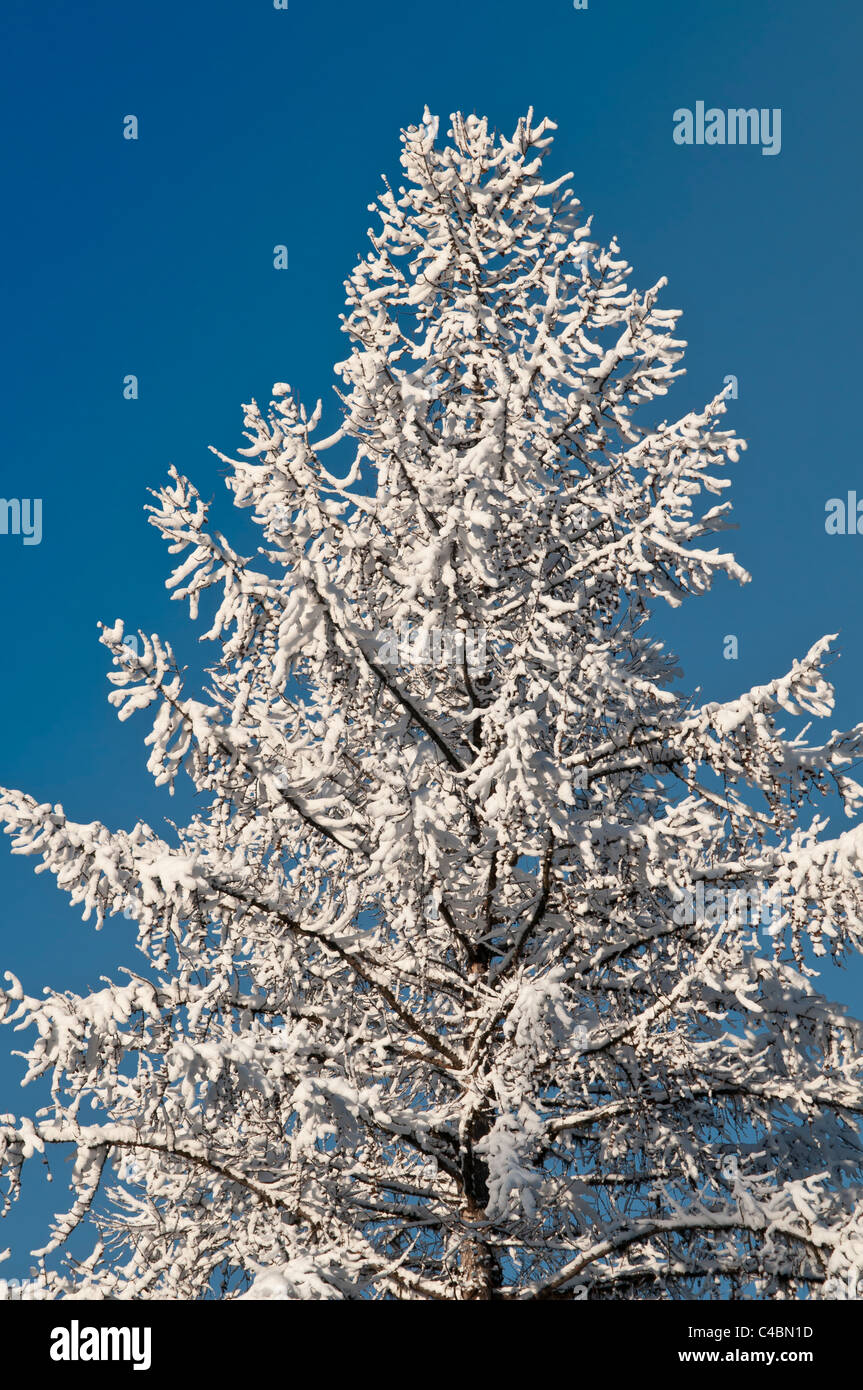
(432, 1007)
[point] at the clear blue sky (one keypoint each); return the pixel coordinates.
(258, 127)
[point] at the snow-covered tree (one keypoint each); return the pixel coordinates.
(486, 969)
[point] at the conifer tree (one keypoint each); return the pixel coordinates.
(485, 969)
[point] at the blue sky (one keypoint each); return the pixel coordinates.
(260, 127)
